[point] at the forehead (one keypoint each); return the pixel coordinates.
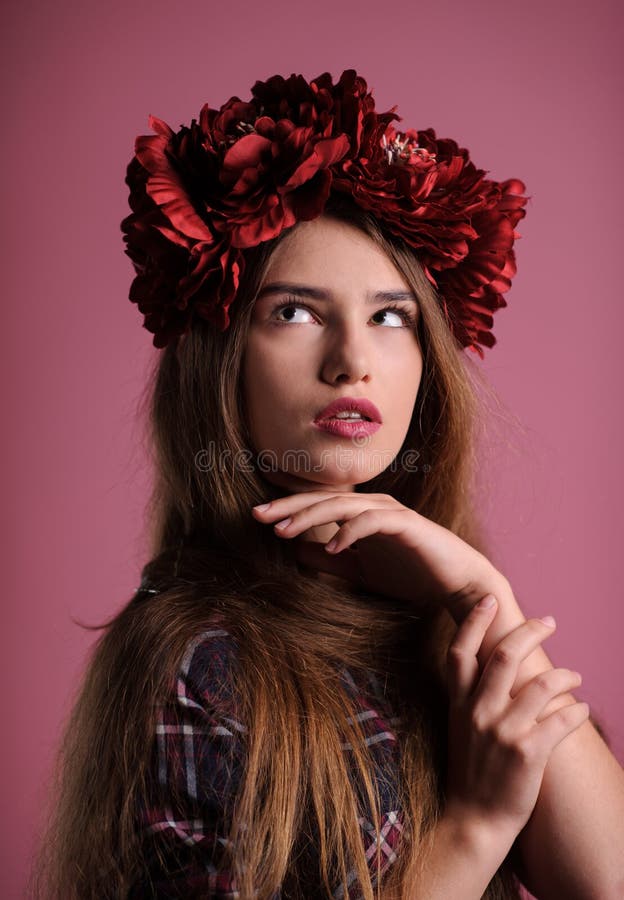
(326, 250)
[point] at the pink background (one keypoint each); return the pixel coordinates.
(532, 89)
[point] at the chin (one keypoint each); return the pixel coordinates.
(346, 477)
(353, 465)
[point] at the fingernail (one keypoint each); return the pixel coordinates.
(331, 545)
(284, 522)
(548, 620)
(262, 507)
(487, 602)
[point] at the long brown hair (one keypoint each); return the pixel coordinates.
(210, 557)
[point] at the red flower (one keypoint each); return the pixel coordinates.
(247, 171)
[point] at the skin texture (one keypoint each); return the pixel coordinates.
(299, 360)
(525, 763)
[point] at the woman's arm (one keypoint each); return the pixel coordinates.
(573, 844)
(498, 748)
(462, 860)
(195, 772)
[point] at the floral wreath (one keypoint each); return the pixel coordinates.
(242, 174)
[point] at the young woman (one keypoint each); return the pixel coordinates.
(323, 687)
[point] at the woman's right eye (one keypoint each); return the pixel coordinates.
(292, 309)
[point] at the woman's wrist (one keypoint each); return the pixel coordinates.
(486, 580)
(478, 836)
(508, 617)
(465, 854)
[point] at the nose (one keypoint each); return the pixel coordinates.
(348, 356)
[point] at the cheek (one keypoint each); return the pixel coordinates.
(257, 365)
(265, 358)
(402, 391)
(265, 387)
(272, 364)
(264, 376)
(404, 379)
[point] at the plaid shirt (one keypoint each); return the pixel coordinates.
(198, 764)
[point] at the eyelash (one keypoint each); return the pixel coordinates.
(408, 317)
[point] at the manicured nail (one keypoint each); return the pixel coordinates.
(487, 602)
(284, 522)
(262, 507)
(548, 620)
(331, 545)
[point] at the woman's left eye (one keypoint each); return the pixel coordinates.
(403, 315)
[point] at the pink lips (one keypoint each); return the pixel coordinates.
(349, 427)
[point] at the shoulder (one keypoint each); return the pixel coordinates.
(209, 661)
(203, 669)
(206, 692)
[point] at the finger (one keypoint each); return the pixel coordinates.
(501, 669)
(369, 522)
(461, 658)
(293, 503)
(282, 507)
(534, 696)
(558, 725)
(332, 509)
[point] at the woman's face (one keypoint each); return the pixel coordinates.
(331, 339)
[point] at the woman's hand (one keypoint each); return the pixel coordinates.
(499, 744)
(400, 553)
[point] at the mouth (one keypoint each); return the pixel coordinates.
(347, 427)
(350, 409)
(348, 417)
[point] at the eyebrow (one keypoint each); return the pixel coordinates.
(302, 290)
